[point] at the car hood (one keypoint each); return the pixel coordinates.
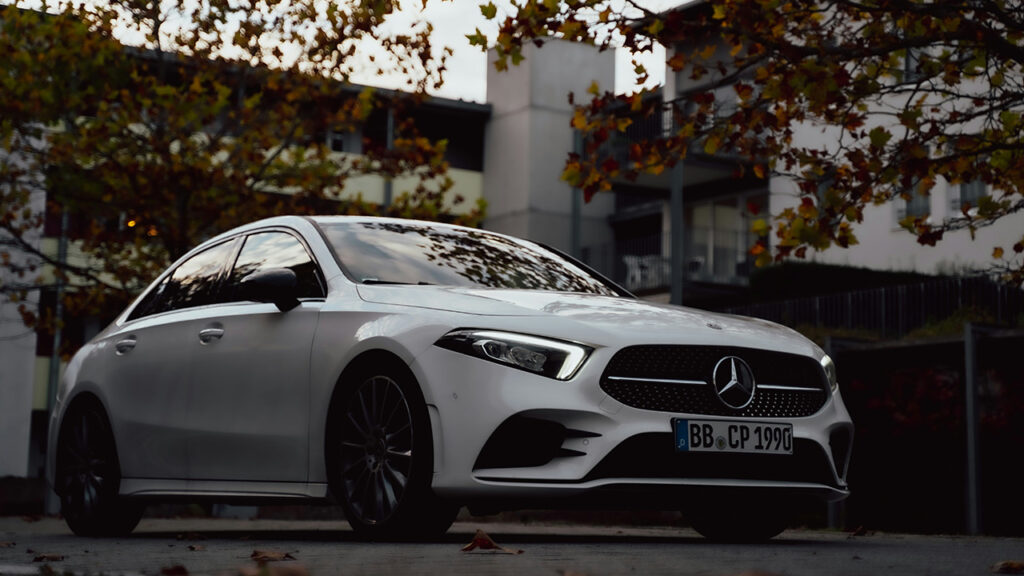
(638, 320)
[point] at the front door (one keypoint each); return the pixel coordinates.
(249, 391)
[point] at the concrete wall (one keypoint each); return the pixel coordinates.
(529, 138)
(465, 183)
(17, 365)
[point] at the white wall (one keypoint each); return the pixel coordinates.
(529, 138)
(883, 245)
(17, 367)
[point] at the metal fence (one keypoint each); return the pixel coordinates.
(894, 311)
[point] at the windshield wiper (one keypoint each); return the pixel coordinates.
(393, 282)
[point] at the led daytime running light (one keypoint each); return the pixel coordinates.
(530, 353)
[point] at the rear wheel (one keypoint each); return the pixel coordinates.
(383, 458)
(89, 475)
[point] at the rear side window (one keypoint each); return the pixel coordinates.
(266, 250)
(196, 282)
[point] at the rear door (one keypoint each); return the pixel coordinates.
(149, 366)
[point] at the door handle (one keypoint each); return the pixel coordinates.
(208, 335)
(122, 347)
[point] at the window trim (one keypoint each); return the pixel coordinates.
(129, 315)
(238, 238)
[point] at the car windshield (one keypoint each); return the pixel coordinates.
(414, 253)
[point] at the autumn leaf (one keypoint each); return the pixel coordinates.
(997, 253)
(263, 556)
(760, 227)
(48, 558)
(1008, 567)
(579, 119)
(481, 541)
(879, 137)
(175, 570)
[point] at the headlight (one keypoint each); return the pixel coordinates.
(830, 372)
(552, 358)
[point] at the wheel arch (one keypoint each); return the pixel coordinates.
(349, 377)
(79, 401)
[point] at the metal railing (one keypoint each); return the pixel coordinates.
(894, 311)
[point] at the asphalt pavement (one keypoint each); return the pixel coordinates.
(224, 547)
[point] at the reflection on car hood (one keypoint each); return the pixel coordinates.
(603, 313)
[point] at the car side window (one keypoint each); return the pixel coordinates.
(196, 282)
(265, 250)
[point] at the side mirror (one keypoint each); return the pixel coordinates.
(278, 286)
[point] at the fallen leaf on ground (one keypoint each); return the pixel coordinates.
(481, 541)
(1008, 567)
(32, 518)
(196, 547)
(262, 556)
(176, 570)
(7, 544)
(48, 558)
(289, 569)
(860, 531)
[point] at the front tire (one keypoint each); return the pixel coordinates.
(383, 458)
(89, 475)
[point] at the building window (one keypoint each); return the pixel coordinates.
(345, 141)
(912, 65)
(971, 193)
(822, 191)
(916, 205)
(719, 238)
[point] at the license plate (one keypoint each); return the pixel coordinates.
(722, 436)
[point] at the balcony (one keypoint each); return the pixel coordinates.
(644, 265)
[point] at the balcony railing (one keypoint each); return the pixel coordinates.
(894, 311)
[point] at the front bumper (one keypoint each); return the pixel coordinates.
(505, 434)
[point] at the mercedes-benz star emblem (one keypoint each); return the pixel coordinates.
(734, 382)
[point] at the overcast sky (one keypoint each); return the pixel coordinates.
(466, 78)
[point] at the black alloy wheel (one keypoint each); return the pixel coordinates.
(385, 460)
(88, 475)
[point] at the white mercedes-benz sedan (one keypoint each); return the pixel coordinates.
(406, 369)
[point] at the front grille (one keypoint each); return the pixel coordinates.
(678, 379)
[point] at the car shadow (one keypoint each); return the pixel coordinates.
(515, 536)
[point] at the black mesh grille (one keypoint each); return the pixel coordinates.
(652, 455)
(789, 385)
